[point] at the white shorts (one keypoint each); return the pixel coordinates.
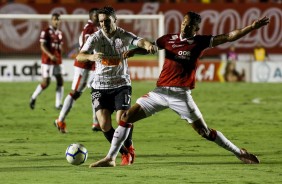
(49, 70)
(80, 78)
(176, 98)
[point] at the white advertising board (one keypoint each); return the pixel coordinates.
(270, 71)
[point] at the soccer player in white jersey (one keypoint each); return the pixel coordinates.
(111, 84)
(177, 79)
(81, 74)
(51, 41)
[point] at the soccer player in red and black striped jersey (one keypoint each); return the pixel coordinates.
(177, 79)
(51, 41)
(82, 71)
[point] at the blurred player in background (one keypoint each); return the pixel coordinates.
(51, 40)
(81, 75)
(111, 84)
(231, 74)
(177, 79)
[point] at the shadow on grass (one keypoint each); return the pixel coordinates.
(33, 168)
(154, 159)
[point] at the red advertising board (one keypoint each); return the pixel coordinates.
(22, 37)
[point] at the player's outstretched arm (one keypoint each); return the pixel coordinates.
(151, 48)
(132, 52)
(239, 33)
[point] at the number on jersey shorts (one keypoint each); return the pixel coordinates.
(112, 99)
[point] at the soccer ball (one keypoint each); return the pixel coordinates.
(76, 154)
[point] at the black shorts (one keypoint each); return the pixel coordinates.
(112, 99)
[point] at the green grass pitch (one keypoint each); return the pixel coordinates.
(168, 150)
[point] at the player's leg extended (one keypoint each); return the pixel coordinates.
(181, 101)
(217, 137)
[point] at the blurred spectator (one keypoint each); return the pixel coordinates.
(231, 74)
(260, 54)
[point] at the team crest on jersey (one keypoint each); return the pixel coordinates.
(118, 43)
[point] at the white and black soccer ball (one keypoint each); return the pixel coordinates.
(76, 154)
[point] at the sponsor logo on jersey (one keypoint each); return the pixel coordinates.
(183, 55)
(175, 46)
(110, 61)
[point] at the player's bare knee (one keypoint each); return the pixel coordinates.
(104, 127)
(124, 117)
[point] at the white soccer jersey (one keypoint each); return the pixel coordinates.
(111, 71)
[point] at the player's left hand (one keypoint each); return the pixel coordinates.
(260, 22)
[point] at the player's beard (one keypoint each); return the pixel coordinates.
(107, 30)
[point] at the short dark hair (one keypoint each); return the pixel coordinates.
(194, 17)
(92, 11)
(108, 11)
(57, 15)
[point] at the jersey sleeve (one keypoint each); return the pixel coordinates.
(89, 30)
(132, 38)
(128, 38)
(89, 45)
(160, 42)
(43, 36)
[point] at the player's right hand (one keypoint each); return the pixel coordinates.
(260, 22)
(152, 49)
(53, 58)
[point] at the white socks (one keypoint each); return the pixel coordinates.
(222, 141)
(66, 108)
(59, 95)
(37, 91)
(120, 135)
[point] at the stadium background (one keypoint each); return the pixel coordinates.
(168, 151)
(20, 53)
